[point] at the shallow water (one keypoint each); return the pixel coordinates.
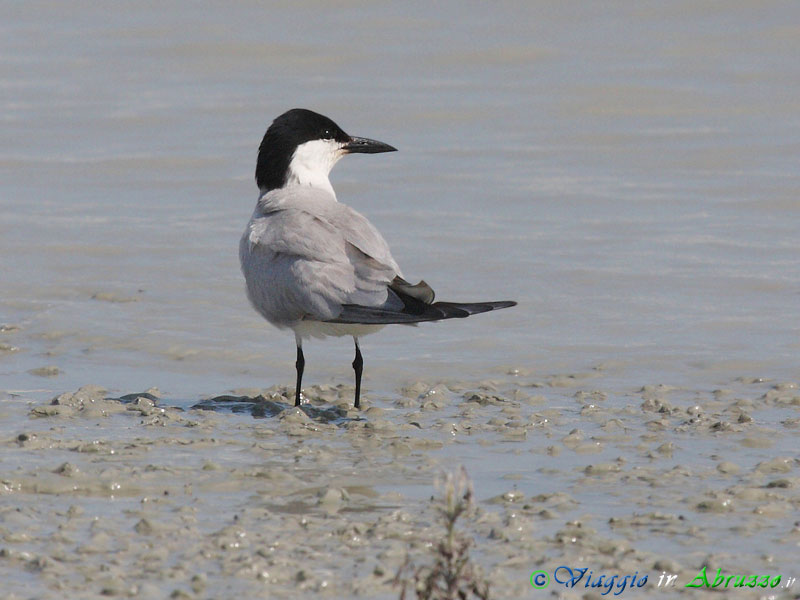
(627, 174)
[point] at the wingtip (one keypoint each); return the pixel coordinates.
(498, 304)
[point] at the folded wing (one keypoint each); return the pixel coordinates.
(417, 307)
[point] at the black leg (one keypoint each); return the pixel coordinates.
(358, 367)
(299, 365)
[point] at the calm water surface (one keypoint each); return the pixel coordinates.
(628, 174)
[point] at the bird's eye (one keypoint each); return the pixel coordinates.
(327, 134)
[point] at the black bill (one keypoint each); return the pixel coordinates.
(366, 146)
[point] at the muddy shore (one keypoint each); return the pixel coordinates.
(245, 495)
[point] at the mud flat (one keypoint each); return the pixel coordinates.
(246, 496)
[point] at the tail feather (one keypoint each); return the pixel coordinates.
(421, 291)
(416, 312)
(418, 306)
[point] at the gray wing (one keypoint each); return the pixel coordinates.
(362, 236)
(310, 259)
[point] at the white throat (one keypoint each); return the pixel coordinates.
(312, 162)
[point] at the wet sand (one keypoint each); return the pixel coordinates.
(245, 495)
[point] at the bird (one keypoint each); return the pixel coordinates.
(316, 266)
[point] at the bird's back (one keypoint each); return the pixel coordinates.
(304, 255)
